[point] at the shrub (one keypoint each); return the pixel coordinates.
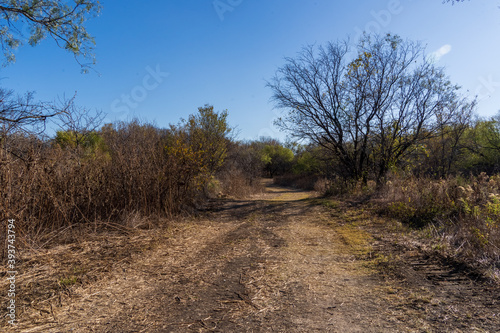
(102, 175)
(465, 213)
(240, 174)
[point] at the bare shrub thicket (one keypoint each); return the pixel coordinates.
(305, 182)
(99, 176)
(239, 176)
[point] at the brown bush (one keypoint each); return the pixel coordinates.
(305, 182)
(122, 169)
(240, 174)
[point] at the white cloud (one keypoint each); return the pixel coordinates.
(439, 53)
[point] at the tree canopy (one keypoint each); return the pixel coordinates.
(367, 105)
(208, 134)
(31, 21)
(34, 20)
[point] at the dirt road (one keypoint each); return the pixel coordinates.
(280, 262)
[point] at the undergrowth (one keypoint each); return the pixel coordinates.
(459, 216)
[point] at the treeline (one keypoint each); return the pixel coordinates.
(93, 174)
(465, 148)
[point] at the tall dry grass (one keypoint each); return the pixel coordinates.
(461, 214)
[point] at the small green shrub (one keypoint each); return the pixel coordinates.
(68, 281)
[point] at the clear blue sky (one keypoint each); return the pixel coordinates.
(170, 57)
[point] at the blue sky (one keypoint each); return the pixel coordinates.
(161, 60)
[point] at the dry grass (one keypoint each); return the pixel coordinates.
(79, 207)
(235, 183)
(278, 262)
(460, 217)
(49, 277)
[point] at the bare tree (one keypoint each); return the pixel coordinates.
(78, 125)
(368, 105)
(22, 118)
(23, 113)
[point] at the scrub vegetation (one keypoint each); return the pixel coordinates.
(386, 161)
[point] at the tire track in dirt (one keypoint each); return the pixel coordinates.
(276, 263)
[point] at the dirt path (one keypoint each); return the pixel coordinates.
(278, 263)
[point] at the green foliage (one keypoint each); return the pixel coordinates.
(277, 159)
(90, 144)
(74, 139)
(482, 147)
(493, 209)
(208, 135)
(65, 23)
(305, 164)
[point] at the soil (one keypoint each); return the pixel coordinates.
(281, 261)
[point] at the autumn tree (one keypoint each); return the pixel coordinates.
(368, 105)
(208, 135)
